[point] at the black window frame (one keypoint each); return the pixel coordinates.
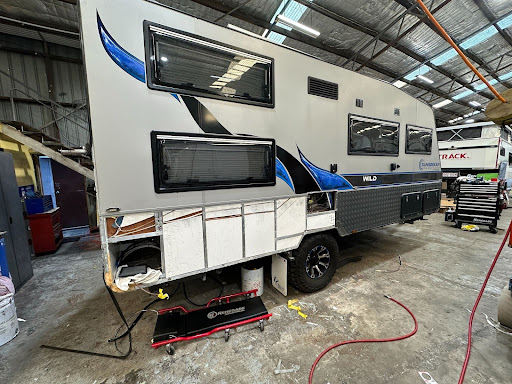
(407, 150)
(157, 164)
(152, 83)
(378, 121)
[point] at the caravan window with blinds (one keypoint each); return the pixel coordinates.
(200, 162)
(193, 65)
(419, 140)
(369, 136)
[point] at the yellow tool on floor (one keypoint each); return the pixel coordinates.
(296, 308)
(162, 295)
(470, 227)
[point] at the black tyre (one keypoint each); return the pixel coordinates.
(314, 263)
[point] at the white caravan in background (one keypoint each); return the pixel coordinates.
(213, 148)
(476, 148)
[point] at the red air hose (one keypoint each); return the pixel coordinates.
(366, 340)
(470, 327)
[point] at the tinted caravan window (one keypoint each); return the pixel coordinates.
(419, 140)
(192, 65)
(369, 136)
(186, 163)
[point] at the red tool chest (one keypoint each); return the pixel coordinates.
(46, 231)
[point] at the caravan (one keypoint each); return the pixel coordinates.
(482, 148)
(213, 148)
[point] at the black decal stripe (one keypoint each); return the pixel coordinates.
(302, 179)
(203, 117)
(394, 178)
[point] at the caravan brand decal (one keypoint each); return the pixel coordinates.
(125, 60)
(384, 179)
(282, 173)
(325, 179)
(213, 314)
(458, 156)
(428, 166)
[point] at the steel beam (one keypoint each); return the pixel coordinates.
(486, 10)
(35, 145)
(389, 42)
(317, 43)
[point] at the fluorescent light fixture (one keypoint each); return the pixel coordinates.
(399, 83)
(163, 58)
(470, 120)
(238, 29)
(425, 79)
(442, 104)
(298, 26)
(475, 103)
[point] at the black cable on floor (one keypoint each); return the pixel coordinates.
(122, 356)
(202, 305)
(139, 316)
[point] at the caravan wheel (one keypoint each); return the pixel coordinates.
(314, 263)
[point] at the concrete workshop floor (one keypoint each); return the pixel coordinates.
(66, 304)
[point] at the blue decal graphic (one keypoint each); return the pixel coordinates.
(325, 179)
(282, 173)
(129, 63)
(175, 96)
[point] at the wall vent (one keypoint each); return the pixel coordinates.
(322, 88)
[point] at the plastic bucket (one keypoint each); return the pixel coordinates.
(252, 278)
(8, 319)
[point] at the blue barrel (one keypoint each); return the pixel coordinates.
(4, 269)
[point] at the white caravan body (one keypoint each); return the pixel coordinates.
(288, 127)
(475, 148)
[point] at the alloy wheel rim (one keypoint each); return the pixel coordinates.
(317, 262)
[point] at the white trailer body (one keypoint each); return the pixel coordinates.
(474, 149)
(221, 147)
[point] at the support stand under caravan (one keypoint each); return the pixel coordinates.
(179, 324)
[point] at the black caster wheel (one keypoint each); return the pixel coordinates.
(170, 349)
(493, 230)
(226, 335)
(262, 326)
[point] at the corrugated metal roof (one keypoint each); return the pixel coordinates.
(467, 21)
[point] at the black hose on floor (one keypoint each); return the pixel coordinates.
(90, 353)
